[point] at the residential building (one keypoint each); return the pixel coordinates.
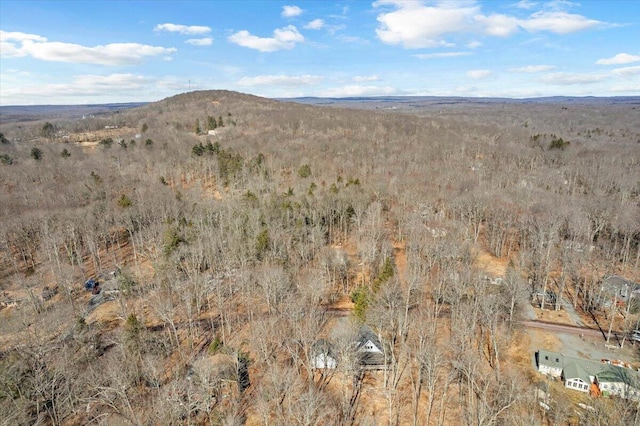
(596, 378)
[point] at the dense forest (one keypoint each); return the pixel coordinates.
(183, 262)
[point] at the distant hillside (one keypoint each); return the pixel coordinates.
(431, 101)
(199, 99)
(14, 113)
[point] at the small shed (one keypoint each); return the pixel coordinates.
(323, 355)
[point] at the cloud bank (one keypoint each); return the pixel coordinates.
(14, 44)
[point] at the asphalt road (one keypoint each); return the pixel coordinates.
(563, 328)
(542, 325)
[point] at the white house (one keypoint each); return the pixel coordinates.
(619, 381)
(549, 363)
(576, 376)
(322, 356)
(321, 361)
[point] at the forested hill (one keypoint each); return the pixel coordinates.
(234, 236)
(9, 113)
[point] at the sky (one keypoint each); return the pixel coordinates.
(92, 52)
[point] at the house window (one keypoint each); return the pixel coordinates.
(546, 357)
(557, 360)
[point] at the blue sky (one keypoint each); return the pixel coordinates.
(82, 52)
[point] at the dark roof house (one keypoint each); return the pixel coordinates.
(370, 350)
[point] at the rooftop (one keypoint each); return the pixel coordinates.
(584, 369)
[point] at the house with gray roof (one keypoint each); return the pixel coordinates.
(579, 374)
(549, 363)
(619, 381)
(584, 375)
(367, 349)
(370, 350)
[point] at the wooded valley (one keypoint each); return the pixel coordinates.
(248, 252)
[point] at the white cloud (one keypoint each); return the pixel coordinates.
(619, 59)
(526, 4)
(206, 41)
(316, 24)
(414, 24)
(626, 71)
(474, 44)
(280, 80)
(478, 74)
(95, 82)
(357, 90)
(183, 29)
(291, 11)
(441, 55)
(96, 88)
(559, 5)
(627, 89)
(11, 42)
(14, 71)
(365, 78)
(91, 88)
(352, 39)
(344, 12)
(283, 38)
(20, 37)
(333, 29)
(110, 54)
(10, 50)
(532, 68)
(21, 45)
(229, 70)
(568, 79)
(498, 25)
(558, 22)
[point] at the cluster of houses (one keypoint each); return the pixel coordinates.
(593, 377)
(368, 348)
(612, 291)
